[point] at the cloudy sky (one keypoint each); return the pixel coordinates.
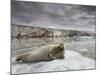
(53, 15)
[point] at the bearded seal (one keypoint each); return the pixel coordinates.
(44, 53)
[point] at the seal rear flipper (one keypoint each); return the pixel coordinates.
(18, 58)
(21, 57)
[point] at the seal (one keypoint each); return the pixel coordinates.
(44, 53)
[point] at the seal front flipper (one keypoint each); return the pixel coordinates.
(51, 56)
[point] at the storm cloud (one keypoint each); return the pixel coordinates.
(54, 15)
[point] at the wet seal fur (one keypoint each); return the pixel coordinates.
(44, 53)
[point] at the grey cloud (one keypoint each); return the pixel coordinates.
(31, 13)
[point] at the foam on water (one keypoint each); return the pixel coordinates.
(72, 61)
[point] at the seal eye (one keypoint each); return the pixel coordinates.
(61, 47)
